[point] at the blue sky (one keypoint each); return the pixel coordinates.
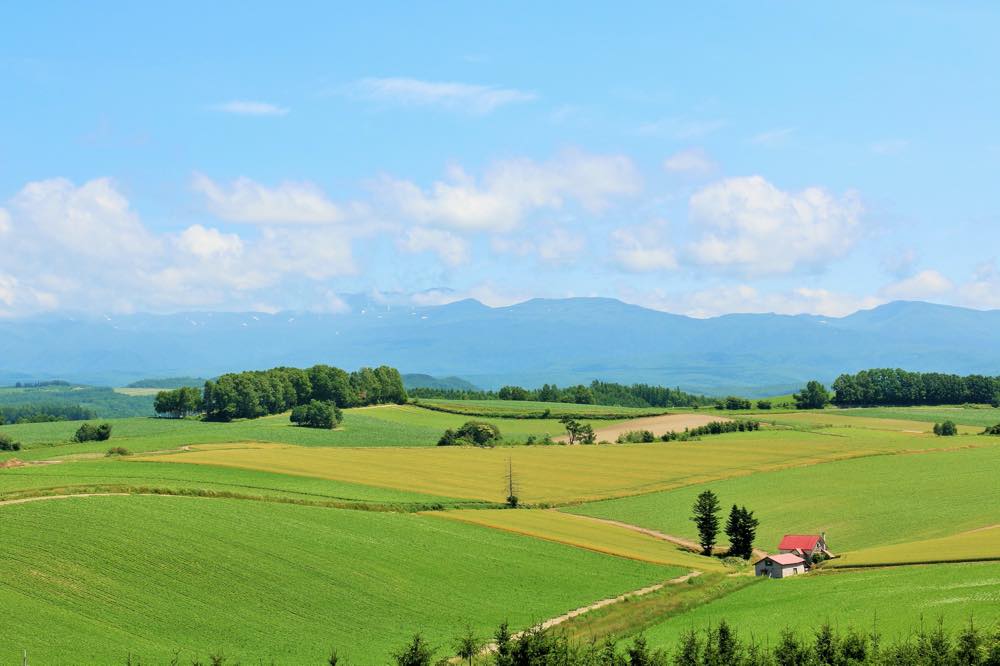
(746, 157)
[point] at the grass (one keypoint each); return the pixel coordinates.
(859, 503)
(117, 475)
(980, 416)
(385, 425)
(534, 409)
(585, 533)
(563, 474)
(851, 418)
(101, 577)
(980, 544)
(896, 600)
(104, 401)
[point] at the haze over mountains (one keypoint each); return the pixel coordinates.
(541, 340)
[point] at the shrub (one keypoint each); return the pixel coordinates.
(733, 402)
(8, 444)
(992, 430)
(317, 414)
(118, 451)
(90, 432)
(763, 404)
(472, 433)
(946, 429)
(637, 436)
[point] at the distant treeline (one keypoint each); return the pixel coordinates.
(103, 401)
(597, 393)
(50, 382)
(256, 393)
(168, 382)
(887, 386)
(42, 413)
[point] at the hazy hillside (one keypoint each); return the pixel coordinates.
(565, 341)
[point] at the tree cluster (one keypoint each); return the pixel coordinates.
(887, 386)
(261, 392)
(741, 526)
(992, 430)
(578, 433)
(90, 432)
(8, 444)
(813, 396)
(179, 402)
(44, 413)
(712, 428)
(472, 433)
(946, 429)
(317, 414)
(733, 402)
(597, 393)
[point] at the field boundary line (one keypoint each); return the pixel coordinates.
(886, 565)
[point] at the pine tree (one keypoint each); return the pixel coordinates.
(704, 516)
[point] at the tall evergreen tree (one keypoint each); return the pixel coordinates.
(705, 517)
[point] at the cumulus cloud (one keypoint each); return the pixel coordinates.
(511, 189)
(452, 249)
(463, 97)
(4, 221)
(250, 108)
(202, 242)
(643, 248)
(983, 290)
(246, 200)
(751, 226)
(923, 285)
(693, 161)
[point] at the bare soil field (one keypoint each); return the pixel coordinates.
(658, 425)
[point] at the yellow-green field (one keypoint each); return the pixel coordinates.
(562, 474)
(974, 545)
(584, 533)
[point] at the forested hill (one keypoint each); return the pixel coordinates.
(566, 341)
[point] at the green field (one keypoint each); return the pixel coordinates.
(530, 408)
(105, 402)
(896, 600)
(978, 544)
(859, 503)
(980, 416)
(101, 576)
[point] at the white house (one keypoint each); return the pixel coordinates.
(780, 566)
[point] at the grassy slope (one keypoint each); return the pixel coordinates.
(520, 407)
(112, 474)
(859, 503)
(103, 575)
(560, 474)
(899, 597)
(584, 533)
(386, 425)
(980, 544)
(980, 417)
(104, 401)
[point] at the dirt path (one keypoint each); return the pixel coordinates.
(552, 622)
(677, 541)
(658, 425)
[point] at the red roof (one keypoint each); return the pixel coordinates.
(785, 559)
(800, 541)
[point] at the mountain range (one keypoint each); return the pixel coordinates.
(542, 340)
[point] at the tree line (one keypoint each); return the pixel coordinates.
(256, 393)
(888, 386)
(597, 393)
(44, 413)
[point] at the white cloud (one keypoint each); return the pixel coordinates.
(511, 189)
(693, 161)
(4, 221)
(751, 226)
(772, 137)
(643, 248)
(202, 242)
(450, 248)
(463, 97)
(250, 108)
(246, 200)
(923, 285)
(486, 293)
(983, 290)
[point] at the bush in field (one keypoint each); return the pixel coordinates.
(8, 444)
(763, 404)
(734, 402)
(117, 451)
(472, 433)
(813, 396)
(317, 414)
(713, 428)
(946, 429)
(636, 436)
(992, 430)
(90, 432)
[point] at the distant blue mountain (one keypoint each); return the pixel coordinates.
(542, 340)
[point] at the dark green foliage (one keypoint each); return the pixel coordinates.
(741, 528)
(946, 429)
(416, 653)
(597, 393)
(643, 436)
(8, 444)
(764, 404)
(317, 414)
(578, 433)
(168, 383)
(472, 433)
(467, 646)
(44, 413)
(813, 396)
(713, 428)
(70, 403)
(735, 402)
(90, 432)
(887, 386)
(992, 430)
(252, 394)
(704, 514)
(179, 402)
(117, 451)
